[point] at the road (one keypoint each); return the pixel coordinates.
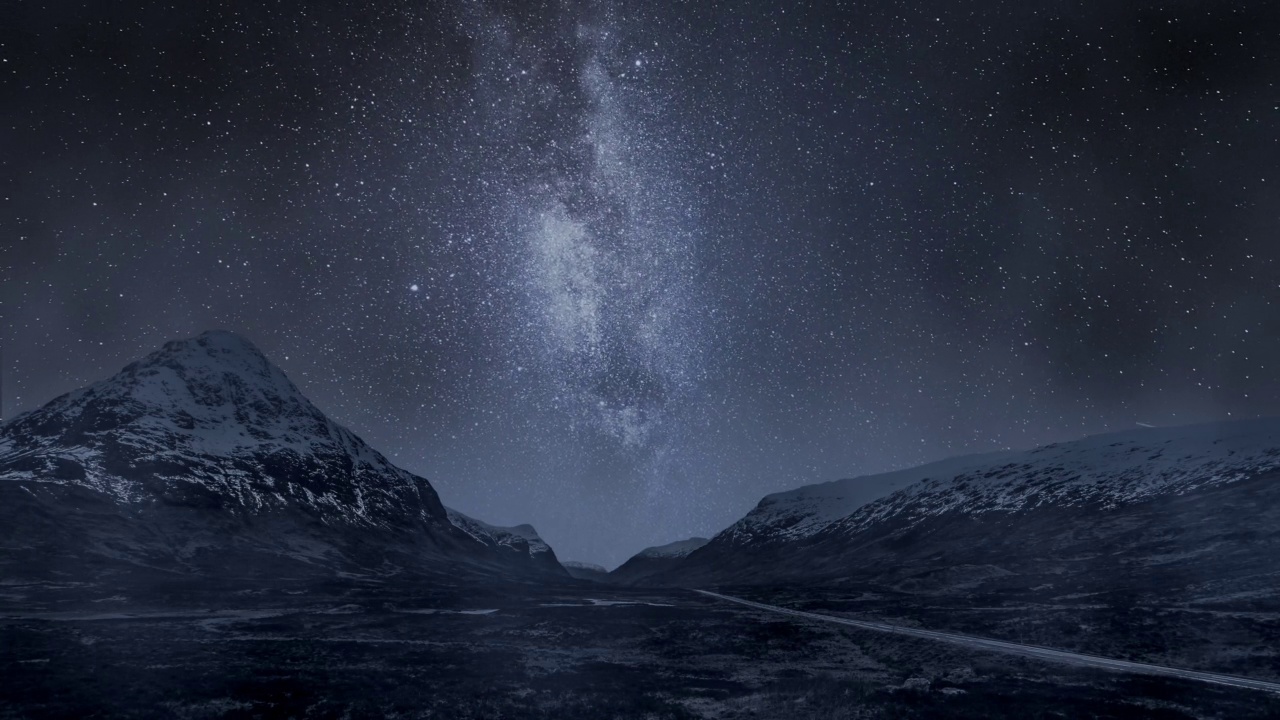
(1031, 651)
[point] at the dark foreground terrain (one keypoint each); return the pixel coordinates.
(360, 648)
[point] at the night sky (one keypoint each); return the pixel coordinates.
(619, 270)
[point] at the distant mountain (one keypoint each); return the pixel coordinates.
(586, 571)
(1186, 510)
(203, 458)
(654, 561)
(521, 542)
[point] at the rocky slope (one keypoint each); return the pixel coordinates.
(203, 457)
(1170, 507)
(654, 561)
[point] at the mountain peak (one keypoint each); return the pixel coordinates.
(214, 393)
(212, 347)
(224, 340)
(211, 411)
(221, 346)
(216, 356)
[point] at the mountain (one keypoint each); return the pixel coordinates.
(203, 458)
(586, 571)
(1190, 512)
(521, 542)
(654, 561)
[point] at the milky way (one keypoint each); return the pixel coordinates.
(603, 241)
(620, 269)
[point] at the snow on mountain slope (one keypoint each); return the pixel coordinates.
(586, 571)
(1076, 511)
(210, 418)
(207, 439)
(524, 537)
(1106, 470)
(677, 549)
(520, 540)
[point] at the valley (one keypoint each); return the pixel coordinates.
(362, 647)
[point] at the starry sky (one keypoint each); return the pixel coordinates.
(620, 269)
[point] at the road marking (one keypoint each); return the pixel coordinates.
(1032, 651)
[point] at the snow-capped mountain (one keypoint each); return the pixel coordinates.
(521, 541)
(967, 507)
(586, 571)
(654, 560)
(210, 419)
(1103, 470)
(677, 549)
(204, 447)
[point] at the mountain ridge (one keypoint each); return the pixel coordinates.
(1086, 478)
(206, 438)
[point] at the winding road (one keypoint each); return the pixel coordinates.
(1031, 651)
